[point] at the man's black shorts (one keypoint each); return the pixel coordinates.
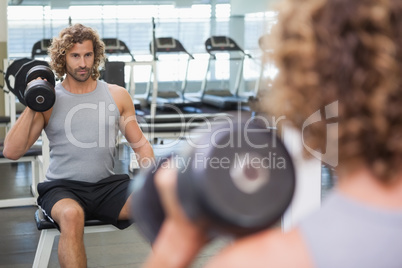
(102, 200)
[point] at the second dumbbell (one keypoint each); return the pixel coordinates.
(236, 180)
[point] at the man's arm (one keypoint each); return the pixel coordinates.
(129, 126)
(23, 134)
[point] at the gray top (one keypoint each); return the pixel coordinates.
(82, 133)
(345, 233)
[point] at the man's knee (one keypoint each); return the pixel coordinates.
(68, 214)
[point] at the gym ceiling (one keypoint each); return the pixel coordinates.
(66, 3)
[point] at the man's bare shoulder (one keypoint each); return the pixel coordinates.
(121, 96)
(119, 93)
(271, 248)
(113, 88)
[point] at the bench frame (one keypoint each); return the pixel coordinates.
(49, 233)
(24, 201)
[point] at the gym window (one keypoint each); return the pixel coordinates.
(132, 24)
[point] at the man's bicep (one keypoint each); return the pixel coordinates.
(129, 127)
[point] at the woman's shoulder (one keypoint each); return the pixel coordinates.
(272, 248)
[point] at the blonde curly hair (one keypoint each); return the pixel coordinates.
(350, 52)
(66, 40)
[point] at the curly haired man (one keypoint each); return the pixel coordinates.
(82, 128)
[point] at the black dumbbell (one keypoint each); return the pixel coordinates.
(39, 95)
(240, 184)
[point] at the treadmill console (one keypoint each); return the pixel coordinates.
(169, 45)
(165, 43)
(116, 46)
(40, 48)
(45, 44)
(112, 44)
(221, 42)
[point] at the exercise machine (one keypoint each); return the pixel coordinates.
(39, 49)
(224, 99)
(114, 46)
(171, 98)
(114, 71)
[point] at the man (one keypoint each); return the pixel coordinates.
(82, 127)
(327, 51)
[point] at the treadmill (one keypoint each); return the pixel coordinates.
(167, 99)
(114, 70)
(224, 99)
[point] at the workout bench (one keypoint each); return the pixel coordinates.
(5, 121)
(49, 232)
(32, 155)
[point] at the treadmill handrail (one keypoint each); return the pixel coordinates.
(180, 118)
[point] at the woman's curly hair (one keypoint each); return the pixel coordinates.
(67, 38)
(349, 52)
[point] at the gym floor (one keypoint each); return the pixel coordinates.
(127, 248)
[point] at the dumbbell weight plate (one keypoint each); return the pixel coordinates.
(40, 71)
(40, 96)
(21, 75)
(237, 188)
(12, 71)
(223, 199)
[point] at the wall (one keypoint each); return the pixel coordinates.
(241, 7)
(3, 53)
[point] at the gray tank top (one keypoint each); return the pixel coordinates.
(345, 233)
(82, 133)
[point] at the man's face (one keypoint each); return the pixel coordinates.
(79, 61)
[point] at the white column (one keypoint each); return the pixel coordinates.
(3, 53)
(3, 21)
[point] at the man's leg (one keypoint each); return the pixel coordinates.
(70, 216)
(125, 211)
